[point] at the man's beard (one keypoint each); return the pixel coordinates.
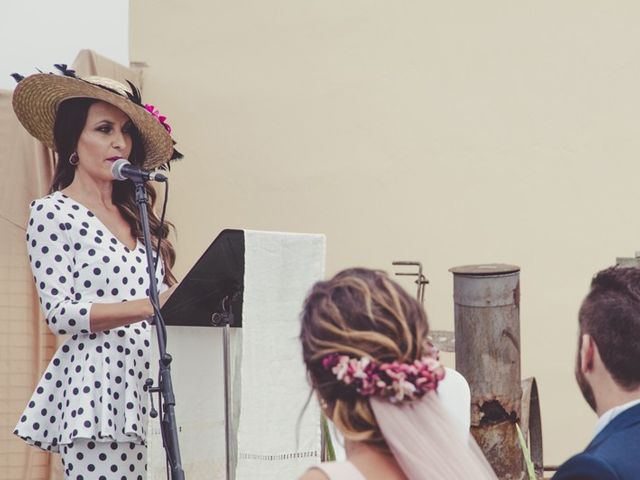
(583, 383)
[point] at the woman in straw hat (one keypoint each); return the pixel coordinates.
(364, 342)
(88, 262)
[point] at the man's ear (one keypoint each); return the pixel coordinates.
(587, 353)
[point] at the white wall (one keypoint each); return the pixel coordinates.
(450, 132)
(38, 33)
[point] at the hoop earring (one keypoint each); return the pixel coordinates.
(73, 159)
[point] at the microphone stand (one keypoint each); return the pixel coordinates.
(164, 388)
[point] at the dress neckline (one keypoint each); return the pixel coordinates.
(80, 204)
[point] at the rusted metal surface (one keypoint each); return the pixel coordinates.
(531, 422)
(496, 287)
(492, 409)
(487, 347)
(499, 443)
(485, 269)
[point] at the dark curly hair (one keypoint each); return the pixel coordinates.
(610, 313)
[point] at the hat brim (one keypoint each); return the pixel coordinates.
(36, 100)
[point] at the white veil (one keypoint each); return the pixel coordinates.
(426, 441)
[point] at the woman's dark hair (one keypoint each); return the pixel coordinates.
(70, 121)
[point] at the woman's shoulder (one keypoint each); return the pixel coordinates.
(314, 474)
(47, 209)
(344, 470)
(46, 202)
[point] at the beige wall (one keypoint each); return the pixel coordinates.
(449, 132)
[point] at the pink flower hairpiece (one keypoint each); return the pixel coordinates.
(395, 380)
(156, 113)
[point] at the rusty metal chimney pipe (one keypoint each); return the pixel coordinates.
(487, 347)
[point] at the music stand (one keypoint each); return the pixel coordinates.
(211, 295)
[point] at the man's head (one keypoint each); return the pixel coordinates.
(609, 342)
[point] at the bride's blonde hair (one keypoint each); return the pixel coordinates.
(359, 312)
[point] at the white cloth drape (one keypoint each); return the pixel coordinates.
(280, 269)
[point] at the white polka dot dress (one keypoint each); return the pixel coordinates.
(88, 460)
(93, 387)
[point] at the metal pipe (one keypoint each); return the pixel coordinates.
(487, 347)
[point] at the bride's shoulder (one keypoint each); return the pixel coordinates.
(344, 470)
(313, 474)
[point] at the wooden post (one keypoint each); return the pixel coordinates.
(487, 345)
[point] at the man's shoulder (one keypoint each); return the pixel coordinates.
(586, 466)
(610, 455)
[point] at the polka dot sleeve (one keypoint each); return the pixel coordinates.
(51, 254)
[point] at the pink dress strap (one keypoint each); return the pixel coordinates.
(340, 471)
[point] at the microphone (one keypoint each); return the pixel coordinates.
(123, 170)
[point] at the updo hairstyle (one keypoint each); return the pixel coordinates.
(359, 312)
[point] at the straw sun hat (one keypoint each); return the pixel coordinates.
(36, 99)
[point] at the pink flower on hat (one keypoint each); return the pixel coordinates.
(156, 113)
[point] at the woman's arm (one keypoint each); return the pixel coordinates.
(105, 316)
(50, 255)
